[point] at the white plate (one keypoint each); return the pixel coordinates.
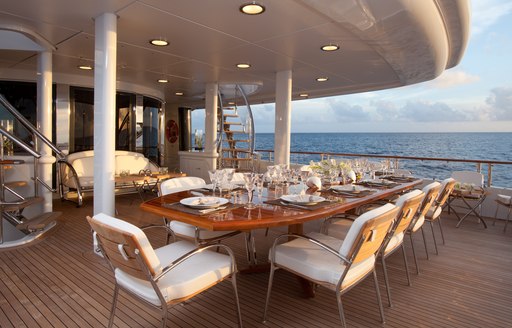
(302, 199)
(349, 188)
(204, 202)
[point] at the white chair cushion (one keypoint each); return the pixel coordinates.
(419, 223)
(131, 163)
(504, 199)
(433, 213)
(310, 260)
(84, 167)
(188, 230)
(401, 200)
(358, 224)
(180, 184)
(394, 242)
(129, 228)
(197, 273)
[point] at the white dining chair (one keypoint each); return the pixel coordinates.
(184, 230)
(431, 192)
(164, 276)
(506, 202)
(335, 264)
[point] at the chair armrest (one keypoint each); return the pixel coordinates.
(311, 240)
(193, 252)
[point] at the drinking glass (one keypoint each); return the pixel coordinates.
(249, 180)
(260, 180)
(221, 176)
(229, 173)
(214, 179)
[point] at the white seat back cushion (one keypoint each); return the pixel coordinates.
(352, 234)
(180, 184)
(195, 274)
(402, 199)
(146, 248)
(131, 163)
(470, 177)
(312, 261)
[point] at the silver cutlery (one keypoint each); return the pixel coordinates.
(208, 210)
(294, 205)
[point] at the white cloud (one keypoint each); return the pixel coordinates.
(500, 103)
(486, 13)
(453, 78)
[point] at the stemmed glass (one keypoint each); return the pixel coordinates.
(249, 180)
(214, 179)
(221, 175)
(260, 180)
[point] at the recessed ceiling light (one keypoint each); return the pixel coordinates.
(252, 8)
(163, 81)
(179, 93)
(231, 103)
(243, 65)
(330, 47)
(303, 95)
(159, 42)
(85, 67)
(322, 79)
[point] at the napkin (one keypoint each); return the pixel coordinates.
(314, 182)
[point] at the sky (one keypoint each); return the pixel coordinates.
(474, 96)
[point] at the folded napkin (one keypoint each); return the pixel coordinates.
(182, 208)
(299, 207)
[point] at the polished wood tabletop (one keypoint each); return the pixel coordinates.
(265, 215)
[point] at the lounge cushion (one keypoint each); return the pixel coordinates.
(308, 259)
(195, 274)
(132, 163)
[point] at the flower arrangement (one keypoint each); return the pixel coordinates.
(327, 166)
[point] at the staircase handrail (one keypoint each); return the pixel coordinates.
(30, 127)
(251, 119)
(19, 142)
(221, 126)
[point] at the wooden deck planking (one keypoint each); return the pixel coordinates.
(58, 282)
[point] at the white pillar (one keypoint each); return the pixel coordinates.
(283, 117)
(210, 120)
(105, 52)
(44, 119)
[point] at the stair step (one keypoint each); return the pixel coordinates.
(14, 184)
(21, 204)
(39, 222)
(11, 162)
(237, 140)
(228, 108)
(233, 132)
(230, 115)
(232, 123)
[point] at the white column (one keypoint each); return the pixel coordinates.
(105, 52)
(210, 120)
(44, 119)
(283, 117)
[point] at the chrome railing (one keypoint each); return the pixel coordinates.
(486, 167)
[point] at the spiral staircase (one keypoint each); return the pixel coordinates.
(235, 128)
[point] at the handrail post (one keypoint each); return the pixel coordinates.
(479, 167)
(489, 174)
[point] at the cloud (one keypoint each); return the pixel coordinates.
(486, 13)
(500, 103)
(423, 111)
(348, 113)
(453, 78)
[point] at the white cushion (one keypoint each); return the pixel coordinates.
(195, 274)
(131, 163)
(145, 246)
(180, 184)
(394, 242)
(401, 200)
(358, 224)
(310, 260)
(188, 230)
(433, 213)
(419, 223)
(84, 166)
(504, 199)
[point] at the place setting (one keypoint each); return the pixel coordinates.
(351, 190)
(201, 205)
(301, 201)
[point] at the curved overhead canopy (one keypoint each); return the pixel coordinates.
(382, 43)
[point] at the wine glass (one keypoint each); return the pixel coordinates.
(249, 180)
(260, 180)
(229, 173)
(221, 176)
(214, 179)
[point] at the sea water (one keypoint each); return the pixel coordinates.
(469, 146)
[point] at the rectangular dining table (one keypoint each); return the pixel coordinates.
(271, 214)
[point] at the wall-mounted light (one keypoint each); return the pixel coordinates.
(322, 79)
(163, 81)
(304, 95)
(179, 93)
(252, 8)
(243, 65)
(85, 67)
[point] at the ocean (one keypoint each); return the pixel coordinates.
(470, 146)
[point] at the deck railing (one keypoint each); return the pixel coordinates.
(437, 167)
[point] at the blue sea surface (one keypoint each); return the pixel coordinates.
(469, 146)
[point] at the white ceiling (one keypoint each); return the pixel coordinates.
(384, 43)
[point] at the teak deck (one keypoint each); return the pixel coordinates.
(58, 282)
